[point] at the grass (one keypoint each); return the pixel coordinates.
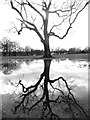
(73, 56)
(62, 56)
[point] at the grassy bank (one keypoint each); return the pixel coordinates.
(62, 56)
(73, 56)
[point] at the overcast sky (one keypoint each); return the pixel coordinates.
(77, 37)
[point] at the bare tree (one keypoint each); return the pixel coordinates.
(27, 50)
(48, 18)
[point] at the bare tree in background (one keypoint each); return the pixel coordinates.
(48, 18)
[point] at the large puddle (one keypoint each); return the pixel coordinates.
(74, 71)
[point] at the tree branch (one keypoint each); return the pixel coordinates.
(16, 9)
(55, 35)
(25, 22)
(80, 12)
(51, 33)
(35, 9)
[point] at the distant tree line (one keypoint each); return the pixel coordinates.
(71, 51)
(12, 48)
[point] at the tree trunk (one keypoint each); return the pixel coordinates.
(47, 53)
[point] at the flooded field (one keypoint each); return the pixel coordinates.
(16, 73)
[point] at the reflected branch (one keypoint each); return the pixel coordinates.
(49, 101)
(72, 98)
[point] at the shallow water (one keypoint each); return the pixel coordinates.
(74, 71)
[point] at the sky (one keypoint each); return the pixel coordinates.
(77, 37)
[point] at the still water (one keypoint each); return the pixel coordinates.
(74, 71)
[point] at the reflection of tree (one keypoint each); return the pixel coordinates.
(52, 101)
(28, 61)
(9, 66)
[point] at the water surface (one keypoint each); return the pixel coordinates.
(74, 71)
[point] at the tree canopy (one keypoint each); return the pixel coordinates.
(48, 18)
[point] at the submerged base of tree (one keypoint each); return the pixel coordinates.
(51, 98)
(47, 55)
